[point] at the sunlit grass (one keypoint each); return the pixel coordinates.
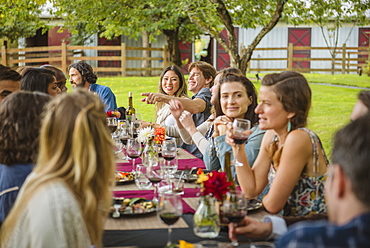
(331, 106)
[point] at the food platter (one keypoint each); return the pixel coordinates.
(124, 177)
(132, 206)
(254, 204)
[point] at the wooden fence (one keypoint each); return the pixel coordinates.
(348, 59)
(64, 55)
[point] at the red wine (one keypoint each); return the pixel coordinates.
(154, 179)
(169, 218)
(112, 128)
(240, 139)
(168, 157)
(133, 156)
(124, 140)
(234, 217)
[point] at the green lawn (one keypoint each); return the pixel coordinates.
(331, 106)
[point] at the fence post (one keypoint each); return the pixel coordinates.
(123, 59)
(165, 56)
(3, 55)
(290, 56)
(344, 48)
(64, 57)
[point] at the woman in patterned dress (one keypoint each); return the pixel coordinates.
(291, 158)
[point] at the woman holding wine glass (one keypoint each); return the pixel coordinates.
(291, 160)
(233, 96)
(169, 210)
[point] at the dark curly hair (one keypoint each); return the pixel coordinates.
(37, 79)
(86, 71)
(7, 73)
(20, 115)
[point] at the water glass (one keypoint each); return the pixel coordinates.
(141, 179)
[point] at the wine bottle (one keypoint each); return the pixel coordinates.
(130, 111)
(227, 169)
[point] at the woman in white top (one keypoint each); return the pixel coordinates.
(172, 83)
(65, 199)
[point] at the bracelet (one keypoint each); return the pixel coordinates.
(238, 164)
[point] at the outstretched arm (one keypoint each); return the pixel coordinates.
(194, 106)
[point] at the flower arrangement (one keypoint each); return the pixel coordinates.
(148, 134)
(114, 113)
(215, 183)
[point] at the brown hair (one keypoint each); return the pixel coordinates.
(20, 121)
(293, 91)
(364, 97)
(207, 70)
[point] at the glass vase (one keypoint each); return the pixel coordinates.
(206, 219)
(150, 154)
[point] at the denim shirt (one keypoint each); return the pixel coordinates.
(11, 180)
(214, 158)
(106, 95)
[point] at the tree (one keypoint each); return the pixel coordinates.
(20, 18)
(113, 18)
(215, 15)
(329, 16)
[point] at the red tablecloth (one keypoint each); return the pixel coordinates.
(183, 164)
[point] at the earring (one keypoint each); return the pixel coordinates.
(289, 126)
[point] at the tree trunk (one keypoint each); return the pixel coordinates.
(146, 53)
(172, 37)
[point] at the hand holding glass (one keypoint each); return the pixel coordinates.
(235, 208)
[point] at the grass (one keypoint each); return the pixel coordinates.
(331, 106)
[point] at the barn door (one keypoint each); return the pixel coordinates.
(223, 58)
(300, 37)
(109, 63)
(363, 41)
(186, 51)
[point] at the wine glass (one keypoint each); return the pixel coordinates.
(141, 177)
(169, 210)
(239, 135)
(133, 150)
(155, 177)
(235, 208)
(135, 126)
(124, 136)
(169, 150)
(112, 124)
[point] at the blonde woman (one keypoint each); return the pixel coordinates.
(64, 200)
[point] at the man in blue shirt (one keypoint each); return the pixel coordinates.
(347, 197)
(81, 75)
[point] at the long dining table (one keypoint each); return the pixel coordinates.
(147, 230)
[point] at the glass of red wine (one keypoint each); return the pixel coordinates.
(169, 151)
(133, 150)
(240, 126)
(155, 177)
(235, 208)
(169, 210)
(112, 124)
(124, 136)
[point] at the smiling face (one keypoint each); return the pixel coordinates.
(270, 111)
(234, 99)
(170, 83)
(196, 81)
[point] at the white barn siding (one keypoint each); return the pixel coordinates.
(278, 37)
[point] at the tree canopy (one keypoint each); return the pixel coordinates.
(20, 18)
